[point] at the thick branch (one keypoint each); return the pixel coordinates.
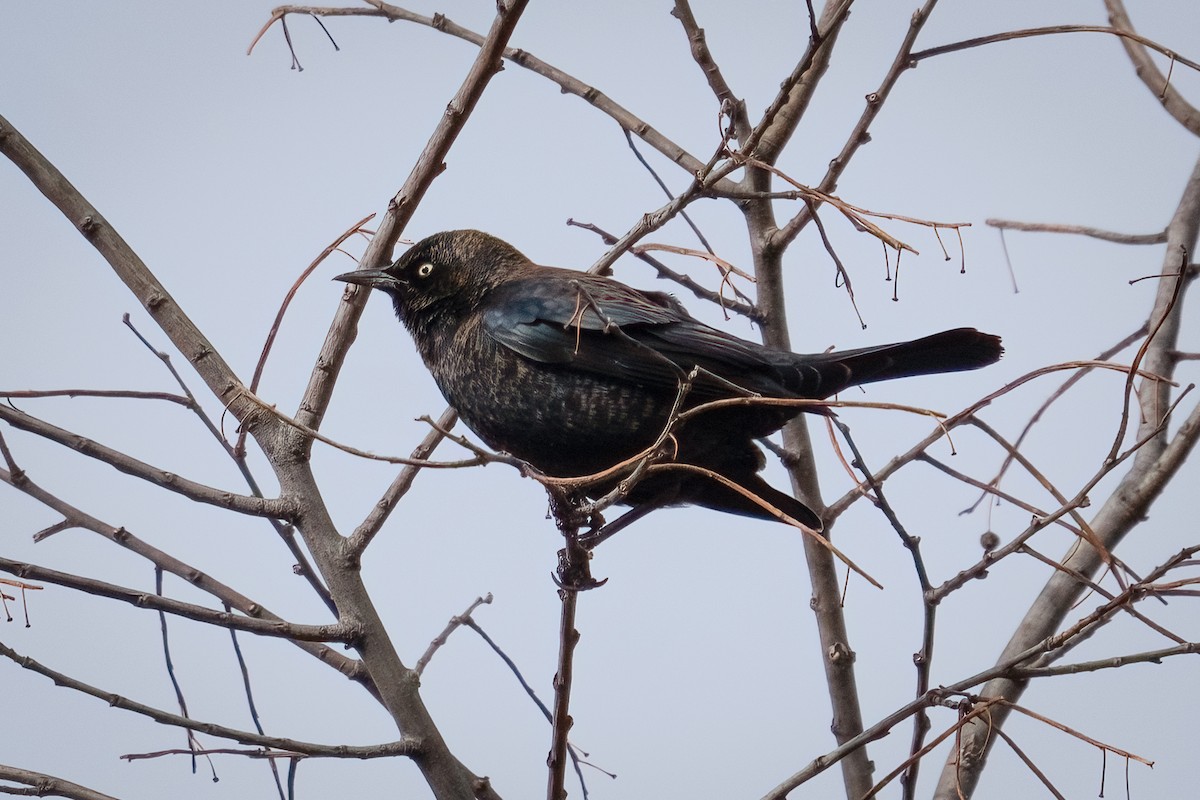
(43, 785)
(1153, 466)
(401, 208)
(1184, 112)
(765, 143)
(338, 563)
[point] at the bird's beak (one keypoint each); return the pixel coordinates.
(372, 278)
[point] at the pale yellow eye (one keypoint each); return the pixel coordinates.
(424, 270)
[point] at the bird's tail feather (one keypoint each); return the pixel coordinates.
(723, 498)
(827, 374)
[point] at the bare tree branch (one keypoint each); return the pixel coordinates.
(130, 268)
(775, 128)
(746, 309)
(366, 531)
(1052, 30)
(981, 710)
(1152, 467)
(568, 84)
(42, 785)
(1151, 456)
(243, 504)
(712, 73)
(117, 393)
(408, 746)
(142, 599)
(1184, 112)
(779, 122)
(237, 452)
(859, 135)
(923, 658)
(123, 537)
(1112, 662)
(1080, 230)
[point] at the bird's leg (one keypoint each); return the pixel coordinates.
(595, 536)
(574, 572)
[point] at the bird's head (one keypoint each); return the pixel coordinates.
(447, 274)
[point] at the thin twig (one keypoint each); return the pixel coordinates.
(923, 658)
(568, 84)
(576, 759)
(454, 624)
(192, 742)
(744, 308)
(197, 578)
(261, 365)
(481, 456)
(117, 393)
(662, 185)
(248, 690)
(358, 541)
(1080, 230)
(1037, 415)
(404, 747)
(1051, 30)
(274, 627)
(237, 452)
(1112, 662)
(859, 134)
(1041, 776)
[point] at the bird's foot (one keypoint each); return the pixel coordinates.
(574, 573)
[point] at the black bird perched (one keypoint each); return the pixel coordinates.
(574, 372)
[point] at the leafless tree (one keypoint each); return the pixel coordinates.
(1158, 427)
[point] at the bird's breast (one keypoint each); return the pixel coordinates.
(563, 421)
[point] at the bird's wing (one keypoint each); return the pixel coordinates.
(606, 328)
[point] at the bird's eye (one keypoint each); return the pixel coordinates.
(425, 270)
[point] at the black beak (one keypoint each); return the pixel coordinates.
(372, 278)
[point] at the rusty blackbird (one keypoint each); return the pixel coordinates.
(575, 373)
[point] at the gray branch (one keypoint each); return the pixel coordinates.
(142, 599)
(243, 504)
(409, 746)
(1153, 466)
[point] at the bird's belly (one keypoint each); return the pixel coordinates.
(564, 423)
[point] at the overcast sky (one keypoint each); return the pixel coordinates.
(699, 673)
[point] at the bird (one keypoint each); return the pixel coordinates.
(574, 373)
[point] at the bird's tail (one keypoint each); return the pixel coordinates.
(826, 374)
(721, 497)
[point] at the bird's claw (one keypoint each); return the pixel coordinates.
(574, 573)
